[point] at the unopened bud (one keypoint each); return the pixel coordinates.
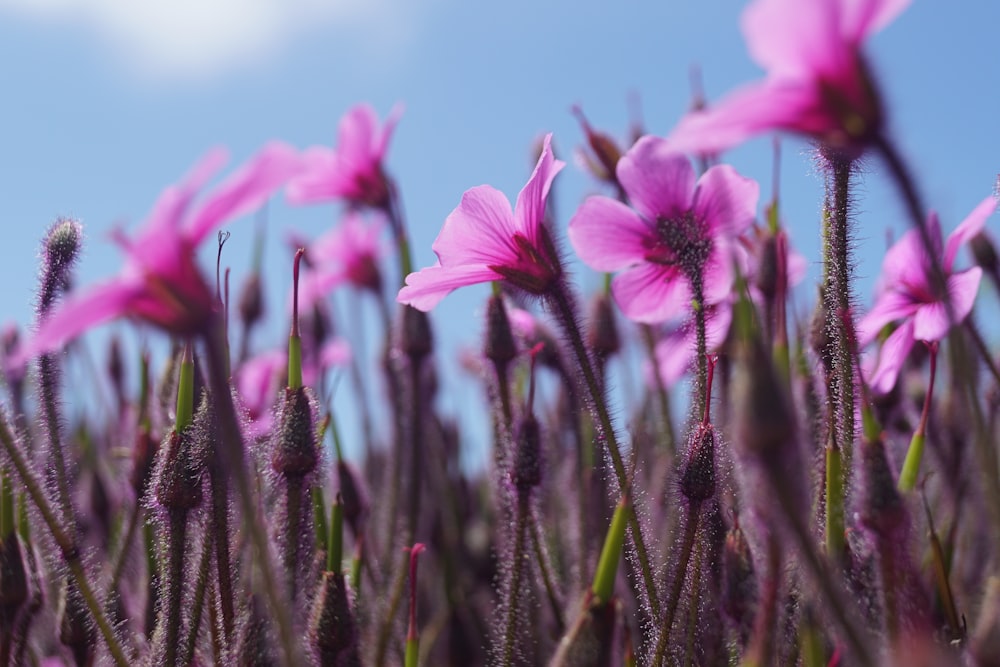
(179, 470)
(698, 475)
(984, 253)
(527, 471)
(60, 250)
(251, 301)
(604, 339)
(332, 627)
(500, 347)
(739, 586)
(416, 340)
(767, 275)
(295, 451)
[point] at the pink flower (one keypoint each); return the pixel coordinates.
(160, 282)
(905, 292)
(483, 240)
(349, 252)
(817, 83)
(679, 231)
(352, 171)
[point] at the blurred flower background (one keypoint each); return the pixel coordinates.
(105, 101)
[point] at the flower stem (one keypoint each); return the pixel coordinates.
(514, 589)
(680, 575)
(201, 591)
(834, 531)
(47, 374)
(220, 528)
(911, 464)
(176, 534)
(662, 396)
(560, 300)
(64, 541)
(231, 453)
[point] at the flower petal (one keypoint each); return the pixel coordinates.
(892, 356)
(658, 179)
(652, 293)
(168, 211)
(321, 178)
(889, 307)
(860, 18)
(750, 110)
(529, 211)
(931, 320)
(793, 38)
(357, 136)
(78, 313)
(718, 272)
(425, 288)
(246, 190)
(725, 202)
(479, 231)
(607, 234)
(968, 228)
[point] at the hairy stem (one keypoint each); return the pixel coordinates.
(514, 589)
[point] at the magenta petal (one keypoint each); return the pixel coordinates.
(316, 285)
(889, 307)
(425, 288)
(718, 273)
(356, 135)
(658, 179)
(529, 211)
(968, 228)
(246, 190)
(891, 358)
(861, 18)
(725, 201)
(755, 108)
(479, 231)
(906, 263)
(651, 293)
(170, 207)
(674, 356)
(931, 320)
(101, 303)
(608, 235)
(791, 37)
(321, 178)
(381, 147)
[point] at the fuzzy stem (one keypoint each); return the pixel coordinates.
(176, 534)
(416, 432)
(519, 554)
(293, 524)
(560, 300)
(220, 527)
(231, 453)
(544, 568)
(680, 574)
(701, 399)
(47, 370)
(201, 590)
(835, 544)
(65, 542)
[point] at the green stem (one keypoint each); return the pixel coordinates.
(835, 545)
(915, 453)
(560, 300)
(65, 543)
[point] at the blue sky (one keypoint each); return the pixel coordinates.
(104, 104)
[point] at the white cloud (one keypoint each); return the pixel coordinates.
(201, 38)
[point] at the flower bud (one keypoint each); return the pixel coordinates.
(251, 301)
(416, 340)
(526, 473)
(332, 626)
(697, 481)
(60, 250)
(500, 347)
(295, 451)
(180, 465)
(604, 340)
(984, 253)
